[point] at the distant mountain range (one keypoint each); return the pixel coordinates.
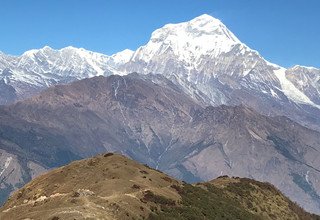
(202, 104)
(114, 187)
(202, 56)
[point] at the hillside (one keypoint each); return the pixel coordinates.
(112, 186)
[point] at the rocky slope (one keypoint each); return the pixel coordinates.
(27, 150)
(115, 187)
(150, 119)
(307, 80)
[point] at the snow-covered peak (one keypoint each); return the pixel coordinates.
(123, 56)
(210, 25)
(206, 18)
(299, 67)
(35, 51)
(46, 50)
(189, 41)
(30, 53)
(66, 62)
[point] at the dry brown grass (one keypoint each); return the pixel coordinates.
(114, 187)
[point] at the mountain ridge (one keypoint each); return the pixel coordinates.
(202, 56)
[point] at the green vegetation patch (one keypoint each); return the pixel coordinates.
(160, 200)
(207, 202)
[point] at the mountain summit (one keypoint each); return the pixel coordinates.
(189, 41)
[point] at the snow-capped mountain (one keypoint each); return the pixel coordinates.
(201, 56)
(121, 57)
(38, 69)
(306, 80)
(210, 63)
(69, 61)
(189, 41)
(198, 51)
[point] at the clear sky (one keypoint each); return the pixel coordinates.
(285, 32)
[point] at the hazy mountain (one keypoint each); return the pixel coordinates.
(115, 187)
(150, 119)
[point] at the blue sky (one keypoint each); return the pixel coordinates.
(285, 32)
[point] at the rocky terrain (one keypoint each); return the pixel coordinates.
(115, 187)
(150, 119)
